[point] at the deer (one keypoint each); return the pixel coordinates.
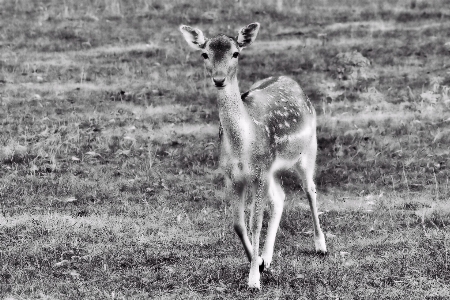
(269, 128)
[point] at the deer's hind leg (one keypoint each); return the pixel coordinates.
(276, 203)
(305, 169)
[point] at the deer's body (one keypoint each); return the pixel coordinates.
(269, 128)
(273, 120)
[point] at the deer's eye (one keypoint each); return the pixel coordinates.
(235, 54)
(205, 56)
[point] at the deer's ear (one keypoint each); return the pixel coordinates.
(193, 36)
(247, 35)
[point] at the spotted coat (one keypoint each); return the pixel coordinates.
(278, 113)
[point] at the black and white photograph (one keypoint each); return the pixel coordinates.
(224, 149)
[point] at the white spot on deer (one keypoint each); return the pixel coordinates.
(257, 122)
(281, 139)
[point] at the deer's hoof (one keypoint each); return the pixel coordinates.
(261, 267)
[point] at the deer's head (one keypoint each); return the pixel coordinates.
(221, 52)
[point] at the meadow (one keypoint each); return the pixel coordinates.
(109, 180)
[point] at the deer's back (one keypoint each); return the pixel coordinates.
(284, 117)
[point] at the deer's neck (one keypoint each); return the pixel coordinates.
(235, 120)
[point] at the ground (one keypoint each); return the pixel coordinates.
(109, 181)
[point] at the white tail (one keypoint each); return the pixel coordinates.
(269, 128)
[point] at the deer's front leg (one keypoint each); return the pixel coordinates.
(256, 224)
(237, 192)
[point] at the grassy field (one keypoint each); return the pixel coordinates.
(109, 187)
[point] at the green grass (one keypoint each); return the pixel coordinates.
(108, 146)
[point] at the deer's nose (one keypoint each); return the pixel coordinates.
(219, 81)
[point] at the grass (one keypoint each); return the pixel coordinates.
(108, 179)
